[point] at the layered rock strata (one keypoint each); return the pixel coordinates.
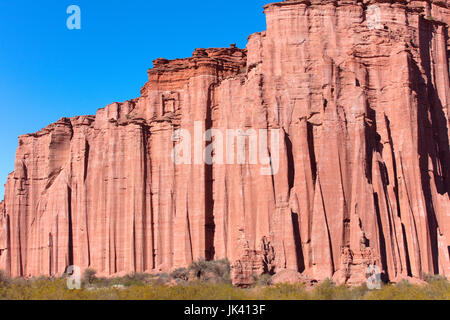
(363, 173)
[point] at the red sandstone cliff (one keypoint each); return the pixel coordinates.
(364, 162)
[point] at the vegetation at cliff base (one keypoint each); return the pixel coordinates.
(166, 287)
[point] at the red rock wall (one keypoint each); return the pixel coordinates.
(364, 160)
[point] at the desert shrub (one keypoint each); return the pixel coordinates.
(181, 274)
(430, 278)
(136, 278)
(4, 278)
(160, 279)
(401, 291)
(24, 282)
(437, 289)
(358, 293)
(262, 280)
(101, 282)
(88, 276)
(325, 290)
(330, 291)
(215, 271)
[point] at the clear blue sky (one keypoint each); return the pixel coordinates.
(48, 72)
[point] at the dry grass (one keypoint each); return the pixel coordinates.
(208, 281)
(135, 289)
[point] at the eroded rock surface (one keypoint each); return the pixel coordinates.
(363, 176)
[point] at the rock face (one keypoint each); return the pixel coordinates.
(362, 105)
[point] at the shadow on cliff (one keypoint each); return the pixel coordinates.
(433, 142)
(210, 226)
